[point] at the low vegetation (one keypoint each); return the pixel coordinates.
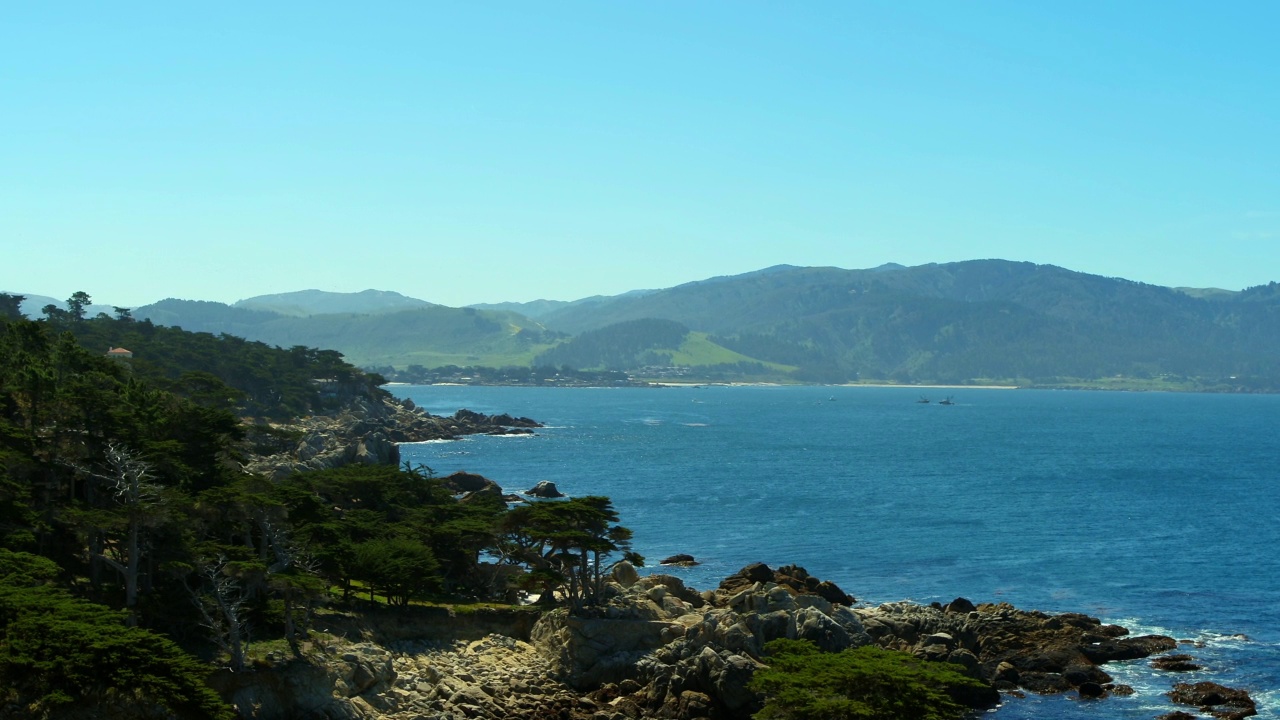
(865, 683)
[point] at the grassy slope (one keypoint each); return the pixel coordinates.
(491, 339)
(698, 350)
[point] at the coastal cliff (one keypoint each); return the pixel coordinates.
(658, 649)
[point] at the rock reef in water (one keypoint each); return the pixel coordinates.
(680, 559)
(1219, 701)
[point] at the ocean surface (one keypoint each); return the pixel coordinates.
(1159, 512)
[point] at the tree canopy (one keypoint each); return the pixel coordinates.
(127, 524)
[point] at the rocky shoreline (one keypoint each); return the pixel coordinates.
(367, 430)
(656, 648)
(659, 649)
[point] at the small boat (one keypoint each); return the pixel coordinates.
(948, 401)
(923, 400)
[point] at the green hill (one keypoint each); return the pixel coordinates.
(651, 347)
(984, 319)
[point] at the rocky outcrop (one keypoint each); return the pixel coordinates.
(367, 431)
(660, 649)
(1217, 700)
(493, 678)
(544, 489)
(656, 648)
(503, 424)
(1176, 663)
(792, 577)
(338, 682)
(680, 559)
(1013, 648)
(471, 487)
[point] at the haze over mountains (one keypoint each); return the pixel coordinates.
(974, 321)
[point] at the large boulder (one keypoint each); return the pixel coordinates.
(544, 489)
(624, 573)
(1130, 648)
(465, 482)
(681, 559)
(588, 652)
(1217, 700)
(1176, 663)
(820, 629)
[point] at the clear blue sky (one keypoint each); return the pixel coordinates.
(476, 152)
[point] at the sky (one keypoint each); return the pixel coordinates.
(509, 151)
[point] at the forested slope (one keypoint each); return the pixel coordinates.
(137, 555)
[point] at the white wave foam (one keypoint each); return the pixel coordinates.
(1268, 702)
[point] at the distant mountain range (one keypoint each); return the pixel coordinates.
(319, 302)
(967, 321)
(954, 323)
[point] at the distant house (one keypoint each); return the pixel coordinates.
(119, 353)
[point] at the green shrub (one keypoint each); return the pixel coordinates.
(804, 683)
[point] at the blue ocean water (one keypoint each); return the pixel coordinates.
(1160, 512)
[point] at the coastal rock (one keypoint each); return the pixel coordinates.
(624, 573)
(681, 559)
(795, 579)
(1128, 648)
(1176, 663)
(817, 627)
(544, 489)
(472, 487)
(366, 429)
(493, 677)
(492, 424)
(465, 482)
(1091, 690)
(675, 586)
(668, 641)
(1217, 700)
(588, 652)
(1015, 648)
(657, 648)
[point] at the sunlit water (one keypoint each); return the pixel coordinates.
(1160, 512)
